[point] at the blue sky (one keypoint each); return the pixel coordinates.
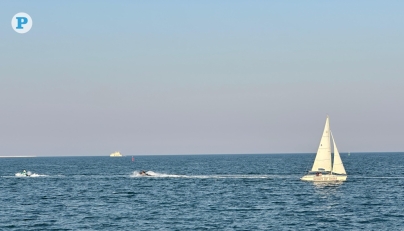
(187, 77)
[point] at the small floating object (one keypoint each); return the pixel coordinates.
(144, 173)
(116, 154)
(24, 173)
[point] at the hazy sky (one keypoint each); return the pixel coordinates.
(187, 77)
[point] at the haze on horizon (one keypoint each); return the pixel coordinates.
(201, 77)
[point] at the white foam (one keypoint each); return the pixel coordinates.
(164, 175)
(38, 175)
(377, 177)
(30, 174)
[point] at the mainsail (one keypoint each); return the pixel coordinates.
(323, 157)
(337, 167)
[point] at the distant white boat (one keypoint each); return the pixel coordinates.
(322, 170)
(116, 154)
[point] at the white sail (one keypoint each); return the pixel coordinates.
(323, 157)
(337, 167)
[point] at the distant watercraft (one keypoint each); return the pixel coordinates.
(144, 173)
(24, 173)
(322, 170)
(116, 154)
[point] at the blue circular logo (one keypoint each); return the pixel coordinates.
(21, 22)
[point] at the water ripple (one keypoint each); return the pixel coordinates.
(232, 192)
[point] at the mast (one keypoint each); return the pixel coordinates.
(332, 169)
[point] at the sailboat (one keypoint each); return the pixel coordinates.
(322, 171)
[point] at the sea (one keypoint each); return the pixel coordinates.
(200, 192)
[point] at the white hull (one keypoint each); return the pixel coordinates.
(116, 154)
(324, 178)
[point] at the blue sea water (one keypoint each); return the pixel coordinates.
(200, 192)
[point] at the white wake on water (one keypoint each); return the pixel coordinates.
(164, 175)
(377, 177)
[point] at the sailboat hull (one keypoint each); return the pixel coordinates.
(324, 178)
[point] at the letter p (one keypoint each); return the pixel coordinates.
(21, 21)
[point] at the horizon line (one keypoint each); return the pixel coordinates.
(187, 154)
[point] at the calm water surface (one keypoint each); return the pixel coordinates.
(205, 192)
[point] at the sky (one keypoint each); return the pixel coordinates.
(201, 77)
